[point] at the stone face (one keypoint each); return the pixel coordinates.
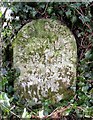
(45, 52)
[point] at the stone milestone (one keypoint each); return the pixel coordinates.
(45, 51)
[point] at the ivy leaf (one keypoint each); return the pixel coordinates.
(24, 113)
(88, 54)
(0, 14)
(74, 19)
(84, 19)
(41, 113)
(34, 12)
(49, 10)
(3, 81)
(76, 5)
(68, 13)
(4, 102)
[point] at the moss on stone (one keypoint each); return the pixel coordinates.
(43, 49)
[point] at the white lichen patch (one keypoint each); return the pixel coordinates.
(45, 52)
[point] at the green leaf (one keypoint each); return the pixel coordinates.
(3, 81)
(76, 5)
(88, 54)
(0, 14)
(84, 19)
(49, 10)
(4, 102)
(34, 12)
(67, 112)
(68, 13)
(24, 113)
(73, 19)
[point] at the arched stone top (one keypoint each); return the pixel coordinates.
(45, 51)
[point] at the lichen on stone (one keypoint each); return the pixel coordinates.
(45, 52)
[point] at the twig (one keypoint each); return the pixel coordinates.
(57, 112)
(88, 26)
(46, 6)
(11, 111)
(4, 15)
(54, 114)
(90, 81)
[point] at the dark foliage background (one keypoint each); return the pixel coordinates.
(79, 18)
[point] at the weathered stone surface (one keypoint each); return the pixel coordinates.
(45, 52)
